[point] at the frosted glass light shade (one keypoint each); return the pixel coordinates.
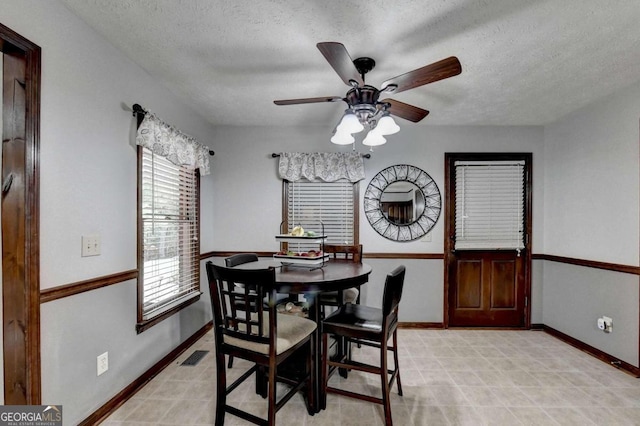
(342, 138)
(374, 139)
(350, 124)
(387, 126)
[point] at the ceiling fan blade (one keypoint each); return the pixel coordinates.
(406, 111)
(428, 74)
(308, 100)
(338, 57)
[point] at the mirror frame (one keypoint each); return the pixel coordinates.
(373, 205)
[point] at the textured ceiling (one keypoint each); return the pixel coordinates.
(524, 62)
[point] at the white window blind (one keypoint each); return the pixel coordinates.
(169, 211)
(489, 205)
(331, 203)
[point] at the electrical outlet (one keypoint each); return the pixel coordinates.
(90, 245)
(103, 363)
(605, 324)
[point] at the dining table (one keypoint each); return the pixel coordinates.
(333, 275)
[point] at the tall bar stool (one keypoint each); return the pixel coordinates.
(347, 253)
(241, 259)
(368, 326)
(258, 334)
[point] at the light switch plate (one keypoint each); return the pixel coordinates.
(103, 363)
(90, 245)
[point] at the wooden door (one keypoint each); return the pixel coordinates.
(486, 287)
(13, 156)
(20, 218)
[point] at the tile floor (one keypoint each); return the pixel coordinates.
(449, 377)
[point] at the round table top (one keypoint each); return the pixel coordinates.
(334, 275)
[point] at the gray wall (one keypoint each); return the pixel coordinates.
(591, 200)
(88, 186)
(575, 296)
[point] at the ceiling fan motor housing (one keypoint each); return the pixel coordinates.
(362, 95)
(363, 101)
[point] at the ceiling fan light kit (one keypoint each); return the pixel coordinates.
(364, 110)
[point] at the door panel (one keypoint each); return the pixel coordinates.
(469, 295)
(503, 284)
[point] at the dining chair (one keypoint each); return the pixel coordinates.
(341, 253)
(259, 335)
(348, 253)
(369, 326)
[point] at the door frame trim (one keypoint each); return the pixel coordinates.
(449, 219)
(9, 39)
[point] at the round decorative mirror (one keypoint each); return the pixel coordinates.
(402, 203)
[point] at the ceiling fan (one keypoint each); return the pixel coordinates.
(363, 100)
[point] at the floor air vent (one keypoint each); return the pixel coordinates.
(194, 358)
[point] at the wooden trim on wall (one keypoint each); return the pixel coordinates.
(121, 397)
(54, 293)
(429, 256)
(435, 256)
(617, 267)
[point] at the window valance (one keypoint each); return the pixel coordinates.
(166, 141)
(326, 166)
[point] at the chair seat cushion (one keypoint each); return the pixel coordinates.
(350, 295)
(291, 330)
(356, 318)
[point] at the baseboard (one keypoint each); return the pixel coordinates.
(420, 325)
(114, 403)
(603, 356)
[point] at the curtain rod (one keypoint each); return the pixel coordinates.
(274, 155)
(137, 109)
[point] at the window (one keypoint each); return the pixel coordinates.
(168, 231)
(334, 204)
(489, 205)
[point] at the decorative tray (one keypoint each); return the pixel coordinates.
(286, 238)
(300, 260)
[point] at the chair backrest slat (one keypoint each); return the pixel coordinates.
(345, 252)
